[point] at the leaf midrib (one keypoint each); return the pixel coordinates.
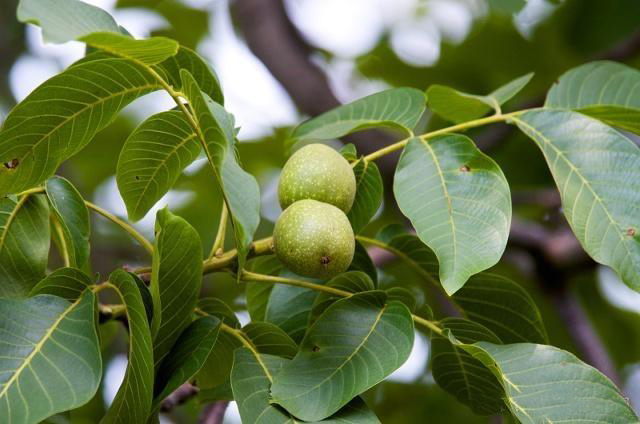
(38, 347)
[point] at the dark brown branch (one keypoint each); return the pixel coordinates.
(214, 413)
(181, 395)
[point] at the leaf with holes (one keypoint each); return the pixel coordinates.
(152, 159)
(72, 216)
(176, 276)
(596, 170)
(186, 357)
(503, 307)
(399, 108)
(462, 375)
(567, 391)
(24, 243)
(251, 378)
(456, 106)
(458, 200)
(132, 403)
(368, 195)
(338, 362)
(49, 354)
(62, 115)
(67, 283)
(607, 91)
(240, 189)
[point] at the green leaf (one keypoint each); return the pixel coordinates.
(73, 216)
(150, 51)
(251, 379)
(217, 308)
(240, 189)
(403, 295)
(362, 262)
(544, 384)
(458, 200)
(176, 277)
(368, 195)
(349, 152)
(24, 243)
(456, 106)
(338, 362)
(399, 108)
(49, 356)
(503, 307)
(186, 357)
(270, 339)
(132, 403)
(62, 115)
(352, 282)
(410, 250)
(462, 375)
(508, 7)
(596, 171)
(67, 283)
(258, 293)
(152, 159)
(604, 90)
(65, 20)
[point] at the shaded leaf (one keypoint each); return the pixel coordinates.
(368, 195)
(596, 171)
(462, 375)
(362, 262)
(73, 216)
(67, 283)
(240, 189)
(176, 276)
(403, 295)
(258, 293)
(132, 403)
(217, 308)
(24, 243)
(458, 200)
(503, 307)
(399, 108)
(270, 339)
(337, 362)
(605, 90)
(352, 282)
(186, 357)
(62, 115)
(49, 356)
(457, 106)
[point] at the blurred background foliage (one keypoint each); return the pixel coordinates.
(363, 46)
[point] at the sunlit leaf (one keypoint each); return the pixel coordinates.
(596, 170)
(337, 362)
(49, 356)
(458, 200)
(149, 51)
(605, 90)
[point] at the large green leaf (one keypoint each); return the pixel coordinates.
(62, 115)
(24, 243)
(187, 356)
(462, 375)
(608, 91)
(65, 20)
(457, 106)
(49, 356)
(399, 108)
(152, 159)
(544, 384)
(176, 277)
(240, 189)
(68, 283)
(132, 403)
(73, 217)
(337, 362)
(368, 195)
(458, 200)
(597, 173)
(270, 339)
(503, 307)
(251, 378)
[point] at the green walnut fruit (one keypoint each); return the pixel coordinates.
(314, 239)
(320, 173)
